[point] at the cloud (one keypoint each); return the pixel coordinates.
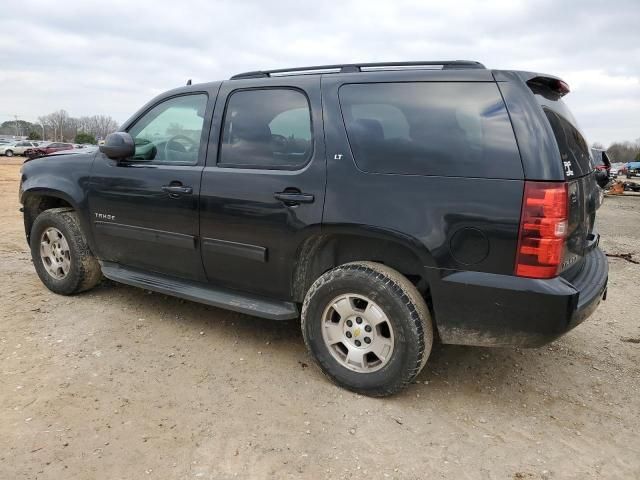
(111, 57)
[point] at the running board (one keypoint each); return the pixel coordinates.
(202, 293)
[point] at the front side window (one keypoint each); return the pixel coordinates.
(266, 128)
(430, 128)
(171, 131)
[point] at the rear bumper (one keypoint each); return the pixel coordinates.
(475, 308)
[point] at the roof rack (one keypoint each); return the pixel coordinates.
(362, 67)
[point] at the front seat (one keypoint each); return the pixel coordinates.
(250, 141)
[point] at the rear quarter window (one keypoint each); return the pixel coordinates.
(430, 128)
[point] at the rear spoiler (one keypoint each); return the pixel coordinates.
(538, 82)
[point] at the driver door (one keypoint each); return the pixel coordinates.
(144, 210)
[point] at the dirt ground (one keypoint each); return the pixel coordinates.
(121, 383)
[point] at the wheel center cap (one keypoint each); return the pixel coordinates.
(358, 332)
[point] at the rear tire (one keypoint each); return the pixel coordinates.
(60, 253)
(367, 327)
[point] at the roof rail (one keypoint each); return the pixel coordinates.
(362, 67)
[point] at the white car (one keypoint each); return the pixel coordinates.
(17, 148)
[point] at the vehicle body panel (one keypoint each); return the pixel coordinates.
(234, 234)
(63, 176)
(250, 238)
(135, 222)
(477, 308)
(430, 209)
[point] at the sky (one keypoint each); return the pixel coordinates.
(110, 57)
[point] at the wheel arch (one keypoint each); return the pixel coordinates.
(340, 244)
(38, 200)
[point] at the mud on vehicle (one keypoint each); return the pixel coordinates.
(385, 205)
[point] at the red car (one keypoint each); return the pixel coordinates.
(52, 147)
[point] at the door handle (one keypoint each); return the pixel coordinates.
(175, 191)
(291, 198)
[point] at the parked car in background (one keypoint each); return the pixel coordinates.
(55, 147)
(633, 169)
(48, 149)
(17, 148)
(6, 146)
(617, 168)
(76, 151)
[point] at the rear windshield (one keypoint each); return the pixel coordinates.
(574, 150)
(430, 128)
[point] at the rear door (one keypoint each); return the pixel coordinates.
(263, 187)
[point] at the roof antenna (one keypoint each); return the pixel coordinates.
(188, 82)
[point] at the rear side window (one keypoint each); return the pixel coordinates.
(430, 128)
(574, 150)
(266, 128)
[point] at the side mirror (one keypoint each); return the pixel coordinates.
(118, 145)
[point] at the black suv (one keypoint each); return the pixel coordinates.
(383, 204)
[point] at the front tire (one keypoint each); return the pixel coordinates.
(9, 153)
(60, 253)
(367, 327)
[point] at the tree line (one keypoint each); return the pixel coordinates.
(59, 126)
(624, 151)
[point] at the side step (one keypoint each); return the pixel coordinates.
(202, 293)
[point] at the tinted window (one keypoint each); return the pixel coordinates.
(449, 129)
(171, 131)
(267, 128)
(574, 150)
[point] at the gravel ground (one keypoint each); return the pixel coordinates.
(121, 383)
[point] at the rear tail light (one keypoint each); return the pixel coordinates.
(543, 229)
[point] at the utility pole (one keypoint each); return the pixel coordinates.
(17, 126)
